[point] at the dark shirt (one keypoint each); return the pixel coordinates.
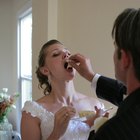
(125, 125)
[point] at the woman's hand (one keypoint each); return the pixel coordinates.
(62, 118)
(99, 113)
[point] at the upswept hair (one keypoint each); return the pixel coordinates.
(43, 79)
(126, 32)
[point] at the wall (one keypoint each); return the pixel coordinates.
(6, 56)
(39, 36)
(7, 50)
(44, 28)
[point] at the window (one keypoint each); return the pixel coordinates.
(25, 56)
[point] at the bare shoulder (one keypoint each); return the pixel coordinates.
(48, 103)
(29, 126)
(44, 101)
(26, 116)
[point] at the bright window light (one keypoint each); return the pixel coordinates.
(25, 57)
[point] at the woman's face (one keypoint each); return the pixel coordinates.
(56, 57)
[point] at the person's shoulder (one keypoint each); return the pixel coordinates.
(45, 100)
(42, 99)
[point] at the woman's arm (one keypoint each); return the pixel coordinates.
(99, 112)
(30, 127)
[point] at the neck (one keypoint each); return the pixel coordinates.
(132, 85)
(63, 93)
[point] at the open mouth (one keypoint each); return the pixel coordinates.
(67, 66)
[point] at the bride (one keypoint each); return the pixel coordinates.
(54, 116)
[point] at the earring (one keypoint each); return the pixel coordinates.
(49, 79)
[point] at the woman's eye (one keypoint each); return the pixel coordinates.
(55, 54)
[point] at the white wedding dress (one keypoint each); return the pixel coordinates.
(77, 130)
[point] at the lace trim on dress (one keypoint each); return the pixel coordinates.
(30, 106)
(76, 130)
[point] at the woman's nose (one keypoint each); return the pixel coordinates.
(66, 55)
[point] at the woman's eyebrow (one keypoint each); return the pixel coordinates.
(54, 50)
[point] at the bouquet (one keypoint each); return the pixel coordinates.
(6, 102)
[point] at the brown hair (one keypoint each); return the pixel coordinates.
(43, 79)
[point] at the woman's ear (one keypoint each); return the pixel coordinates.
(44, 71)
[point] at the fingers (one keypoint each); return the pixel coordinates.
(62, 118)
(99, 111)
(102, 112)
(96, 108)
(74, 64)
(66, 117)
(66, 112)
(69, 103)
(76, 60)
(77, 57)
(106, 115)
